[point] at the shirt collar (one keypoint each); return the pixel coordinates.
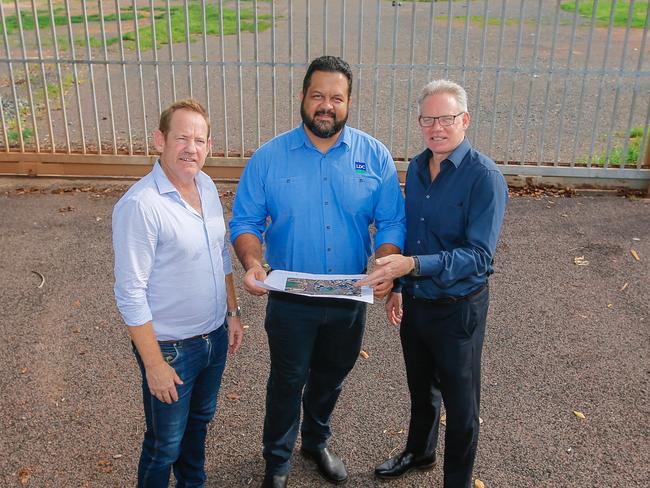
(301, 138)
(162, 182)
(456, 157)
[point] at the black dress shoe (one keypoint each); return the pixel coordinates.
(403, 463)
(275, 481)
(329, 464)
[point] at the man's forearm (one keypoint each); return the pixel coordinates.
(145, 342)
(231, 295)
(249, 251)
(387, 249)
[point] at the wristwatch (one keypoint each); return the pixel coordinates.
(416, 267)
(234, 313)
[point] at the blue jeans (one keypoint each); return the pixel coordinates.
(176, 432)
(313, 343)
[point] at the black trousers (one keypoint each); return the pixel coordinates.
(442, 344)
(314, 343)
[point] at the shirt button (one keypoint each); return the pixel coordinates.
(421, 219)
(327, 227)
(325, 178)
(428, 196)
(417, 286)
(327, 203)
(418, 242)
(329, 270)
(329, 249)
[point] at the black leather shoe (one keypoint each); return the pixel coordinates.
(329, 464)
(403, 463)
(275, 481)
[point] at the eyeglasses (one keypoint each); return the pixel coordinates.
(444, 120)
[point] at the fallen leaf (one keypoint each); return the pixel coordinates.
(580, 261)
(105, 466)
(76, 304)
(23, 476)
(480, 421)
(401, 431)
(443, 419)
(610, 305)
(233, 396)
(578, 414)
(624, 287)
(478, 483)
(364, 354)
(23, 371)
(117, 456)
(636, 239)
(635, 254)
(69, 208)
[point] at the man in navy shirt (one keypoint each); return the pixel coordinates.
(311, 194)
(455, 203)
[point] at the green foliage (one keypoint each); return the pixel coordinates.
(604, 10)
(195, 22)
(617, 156)
(12, 135)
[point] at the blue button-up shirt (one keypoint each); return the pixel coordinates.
(320, 205)
(453, 223)
(170, 262)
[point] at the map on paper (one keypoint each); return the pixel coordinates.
(316, 285)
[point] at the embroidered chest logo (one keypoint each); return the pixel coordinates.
(360, 167)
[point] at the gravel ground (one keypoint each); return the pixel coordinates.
(560, 338)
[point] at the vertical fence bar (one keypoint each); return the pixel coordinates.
(430, 42)
(520, 37)
(601, 84)
(343, 16)
(82, 131)
(531, 78)
(448, 38)
(292, 96)
(224, 97)
(138, 54)
(46, 96)
(108, 75)
(257, 74)
(376, 77)
(566, 88)
(206, 68)
(307, 31)
(92, 76)
(396, 10)
(635, 91)
(154, 49)
(359, 61)
(273, 72)
(549, 82)
(325, 26)
(497, 77)
(240, 78)
(621, 68)
(466, 43)
(170, 40)
(476, 118)
(188, 53)
(127, 102)
(644, 140)
(5, 136)
(12, 80)
(28, 80)
(57, 57)
(409, 100)
(584, 75)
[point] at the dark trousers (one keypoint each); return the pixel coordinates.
(314, 343)
(442, 344)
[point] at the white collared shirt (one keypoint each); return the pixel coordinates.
(170, 262)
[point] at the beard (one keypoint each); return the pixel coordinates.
(321, 128)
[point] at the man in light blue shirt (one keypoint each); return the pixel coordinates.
(311, 194)
(175, 290)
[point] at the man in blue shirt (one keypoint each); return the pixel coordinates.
(311, 194)
(174, 288)
(455, 204)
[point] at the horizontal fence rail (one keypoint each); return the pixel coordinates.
(556, 88)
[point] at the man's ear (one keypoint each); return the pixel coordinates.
(466, 120)
(208, 144)
(158, 140)
(302, 96)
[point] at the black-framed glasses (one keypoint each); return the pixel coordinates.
(443, 120)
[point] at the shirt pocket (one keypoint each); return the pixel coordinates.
(357, 194)
(289, 197)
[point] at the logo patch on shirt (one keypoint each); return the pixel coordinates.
(360, 167)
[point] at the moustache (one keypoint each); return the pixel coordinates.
(331, 113)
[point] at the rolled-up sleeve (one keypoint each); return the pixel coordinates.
(135, 237)
(390, 220)
(249, 209)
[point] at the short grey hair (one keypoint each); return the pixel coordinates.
(444, 86)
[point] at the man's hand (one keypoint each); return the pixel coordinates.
(162, 380)
(387, 269)
(394, 308)
(254, 273)
(235, 334)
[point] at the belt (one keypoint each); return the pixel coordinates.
(179, 342)
(449, 300)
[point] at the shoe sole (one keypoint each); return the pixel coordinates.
(426, 467)
(309, 456)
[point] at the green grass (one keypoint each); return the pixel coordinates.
(12, 135)
(604, 10)
(616, 156)
(195, 14)
(45, 21)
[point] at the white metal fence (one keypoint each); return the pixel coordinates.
(551, 91)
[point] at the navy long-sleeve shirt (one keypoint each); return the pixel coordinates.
(453, 223)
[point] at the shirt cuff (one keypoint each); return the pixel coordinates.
(430, 264)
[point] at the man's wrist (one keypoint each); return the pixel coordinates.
(236, 312)
(415, 272)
